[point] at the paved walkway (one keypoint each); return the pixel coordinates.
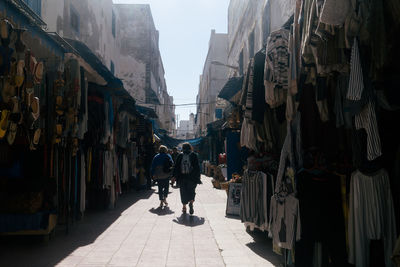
(137, 233)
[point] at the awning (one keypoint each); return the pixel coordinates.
(231, 87)
(215, 126)
(95, 63)
(149, 112)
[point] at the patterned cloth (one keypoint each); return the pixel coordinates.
(276, 73)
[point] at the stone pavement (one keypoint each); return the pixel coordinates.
(137, 233)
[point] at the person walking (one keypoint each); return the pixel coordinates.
(174, 156)
(161, 171)
(187, 174)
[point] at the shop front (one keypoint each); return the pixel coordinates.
(318, 106)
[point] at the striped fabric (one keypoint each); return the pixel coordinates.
(276, 72)
(366, 119)
(356, 82)
(256, 192)
(249, 96)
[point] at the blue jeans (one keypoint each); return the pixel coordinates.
(163, 186)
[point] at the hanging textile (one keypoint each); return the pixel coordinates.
(248, 135)
(371, 216)
(82, 206)
(256, 192)
(276, 73)
(284, 226)
(322, 220)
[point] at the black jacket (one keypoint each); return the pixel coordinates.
(194, 175)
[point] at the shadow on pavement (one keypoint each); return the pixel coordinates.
(262, 246)
(32, 251)
(161, 211)
(232, 217)
(188, 220)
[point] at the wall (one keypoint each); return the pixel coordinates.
(212, 80)
(94, 25)
(141, 61)
(258, 16)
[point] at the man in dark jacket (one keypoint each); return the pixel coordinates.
(187, 174)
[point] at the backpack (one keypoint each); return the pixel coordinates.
(186, 164)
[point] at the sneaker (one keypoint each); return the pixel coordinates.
(191, 210)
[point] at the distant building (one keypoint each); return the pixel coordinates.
(215, 75)
(186, 128)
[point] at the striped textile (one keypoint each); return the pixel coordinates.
(276, 72)
(366, 119)
(249, 96)
(356, 82)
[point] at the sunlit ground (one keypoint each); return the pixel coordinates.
(138, 233)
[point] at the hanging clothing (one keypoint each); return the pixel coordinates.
(125, 169)
(291, 154)
(259, 105)
(248, 135)
(257, 190)
(284, 226)
(335, 12)
(320, 201)
(371, 216)
(108, 169)
(356, 82)
(367, 120)
(248, 111)
(276, 72)
(82, 205)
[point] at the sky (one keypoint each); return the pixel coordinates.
(185, 29)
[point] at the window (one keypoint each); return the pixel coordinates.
(35, 5)
(112, 67)
(241, 63)
(251, 44)
(113, 24)
(74, 19)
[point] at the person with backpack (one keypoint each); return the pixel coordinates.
(161, 168)
(187, 174)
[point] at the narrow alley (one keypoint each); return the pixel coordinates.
(137, 233)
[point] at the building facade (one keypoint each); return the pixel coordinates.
(125, 39)
(186, 129)
(249, 25)
(213, 78)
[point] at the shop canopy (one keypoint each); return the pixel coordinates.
(215, 126)
(231, 87)
(87, 55)
(148, 112)
(171, 142)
